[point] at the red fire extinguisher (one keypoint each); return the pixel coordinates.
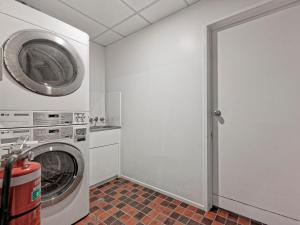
(21, 188)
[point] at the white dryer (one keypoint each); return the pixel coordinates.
(64, 155)
(45, 62)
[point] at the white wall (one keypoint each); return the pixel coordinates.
(113, 103)
(159, 71)
(97, 80)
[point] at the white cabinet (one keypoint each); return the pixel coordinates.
(104, 155)
(105, 137)
(104, 163)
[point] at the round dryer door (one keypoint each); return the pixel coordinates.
(43, 62)
(62, 170)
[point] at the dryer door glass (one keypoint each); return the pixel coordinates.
(62, 171)
(43, 62)
(47, 63)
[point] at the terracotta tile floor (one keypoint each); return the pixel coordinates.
(123, 202)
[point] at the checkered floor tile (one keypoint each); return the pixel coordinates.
(123, 202)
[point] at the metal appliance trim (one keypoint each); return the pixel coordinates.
(1, 62)
(12, 48)
(74, 152)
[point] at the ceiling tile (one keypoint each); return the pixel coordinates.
(131, 25)
(192, 1)
(107, 38)
(66, 14)
(162, 9)
(139, 4)
(108, 12)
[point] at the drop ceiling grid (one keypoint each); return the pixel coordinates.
(116, 18)
(115, 32)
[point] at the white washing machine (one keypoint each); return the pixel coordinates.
(64, 155)
(45, 62)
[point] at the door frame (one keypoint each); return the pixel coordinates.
(210, 75)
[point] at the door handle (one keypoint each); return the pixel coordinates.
(217, 113)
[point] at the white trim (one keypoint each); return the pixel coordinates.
(198, 205)
(252, 13)
(120, 154)
(207, 139)
(260, 10)
(103, 182)
(16, 181)
(253, 212)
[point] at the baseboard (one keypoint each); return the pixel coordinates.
(253, 212)
(198, 205)
(103, 182)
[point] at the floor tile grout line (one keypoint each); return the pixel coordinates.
(141, 190)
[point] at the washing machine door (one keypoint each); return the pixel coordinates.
(43, 62)
(62, 170)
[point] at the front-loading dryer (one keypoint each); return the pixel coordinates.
(43, 66)
(62, 152)
(43, 62)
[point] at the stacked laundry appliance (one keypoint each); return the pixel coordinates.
(44, 97)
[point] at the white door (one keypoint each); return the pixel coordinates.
(257, 138)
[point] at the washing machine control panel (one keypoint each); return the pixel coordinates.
(12, 119)
(52, 133)
(80, 134)
(40, 134)
(11, 136)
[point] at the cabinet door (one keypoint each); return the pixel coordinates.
(104, 163)
(102, 138)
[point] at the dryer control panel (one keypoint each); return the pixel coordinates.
(10, 119)
(80, 118)
(51, 118)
